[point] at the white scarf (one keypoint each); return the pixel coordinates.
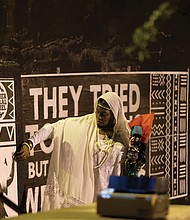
(121, 127)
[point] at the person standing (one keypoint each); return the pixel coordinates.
(87, 151)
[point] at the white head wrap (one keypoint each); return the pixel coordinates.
(116, 106)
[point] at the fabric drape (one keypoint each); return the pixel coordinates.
(71, 176)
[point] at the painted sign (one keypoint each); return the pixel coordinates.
(47, 98)
(8, 172)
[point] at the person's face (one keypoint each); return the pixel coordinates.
(104, 117)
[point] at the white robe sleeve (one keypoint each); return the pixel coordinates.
(41, 135)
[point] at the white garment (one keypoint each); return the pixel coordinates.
(111, 165)
(71, 177)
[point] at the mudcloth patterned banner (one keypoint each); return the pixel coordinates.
(168, 152)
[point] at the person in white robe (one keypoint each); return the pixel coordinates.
(87, 151)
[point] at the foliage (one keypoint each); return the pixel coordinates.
(7, 63)
(147, 33)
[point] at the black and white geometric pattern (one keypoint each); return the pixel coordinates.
(7, 113)
(168, 151)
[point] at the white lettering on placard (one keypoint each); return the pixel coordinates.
(76, 96)
(106, 88)
(46, 149)
(123, 96)
(95, 89)
(36, 92)
(129, 94)
(33, 198)
(134, 91)
(52, 102)
(37, 169)
(63, 101)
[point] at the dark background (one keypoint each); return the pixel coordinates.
(87, 36)
(81, 36)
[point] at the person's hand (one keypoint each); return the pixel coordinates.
(22, 152)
